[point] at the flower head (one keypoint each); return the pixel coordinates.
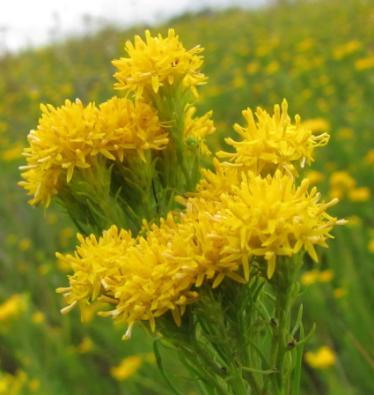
(158, 62)
(71, 136)
(261, 217)
(93, 261)
(130, 126)
(62, 142)
(272, 142)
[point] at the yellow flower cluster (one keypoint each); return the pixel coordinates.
(236, 216)
(273, 142)
(71, 136)
(158, 62)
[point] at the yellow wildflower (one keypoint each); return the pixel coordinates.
(273, 142)
(12, 153)
(339, 293)
(130, 126)
(34, 385)
(38, 318)
(361, 194)
(62, 142)
(12, 307)
(346, 49)
(253, 67)
(323, 358)
(326, 276)
(340, 183)
(158, 62)
(272, 67)
(345, 134)
(369, 158)
(24, 244)
(85, 346)
(127, 368)
(314, 176)
(316, 124)
(12, 384)
(69, 137)
(371, 246)
(93, 260)
(310, 277)
(270, 217)
(364, 63)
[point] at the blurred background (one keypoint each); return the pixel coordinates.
(318, 54)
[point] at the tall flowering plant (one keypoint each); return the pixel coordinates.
(204, 248)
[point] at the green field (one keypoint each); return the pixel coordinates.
(316, 54)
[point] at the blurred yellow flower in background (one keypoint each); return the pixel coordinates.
(12, 307)
(322, 358)
(127, 368)
(361, 194)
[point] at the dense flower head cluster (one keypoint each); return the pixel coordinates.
(69, 137)
(273, 142)
(217, 235)
(249, 210)
(158, 62)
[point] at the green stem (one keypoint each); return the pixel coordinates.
(286, 292)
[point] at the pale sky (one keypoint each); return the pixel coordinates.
(34, 22)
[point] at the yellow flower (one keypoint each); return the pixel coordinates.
(38, 318)
(371, 246)
(12, 307)
(316, 124)
(85, 346)
(346, 49)
(34, 385)
(130, 127)
(326, 276)
(24, 244)
(270, 217)
(339, 293)
(345, 134)
(314, 176)
(369, 158)
(69, 137)
(273, 142)
(12, 384)
(361, 194)
(127, 368)
(364, 63)
(309, 278)
(253, 67)
(12, 153)
(340, 183)
(62, 142)
(93, 260)
(323, 358)
(272, 67)
(158, 62)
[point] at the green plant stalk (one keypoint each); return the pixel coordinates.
(282, 360)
